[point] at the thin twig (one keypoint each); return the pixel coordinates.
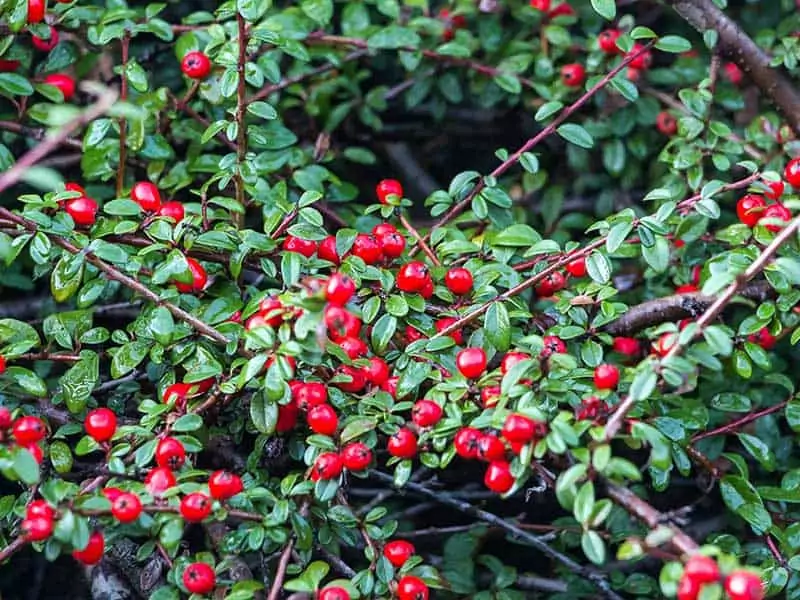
(736, 425)
(419, 240)
(15, 546)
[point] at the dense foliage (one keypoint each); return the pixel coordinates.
(382, 299)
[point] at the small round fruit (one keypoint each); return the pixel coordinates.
(367, 248)
(387, 188)
(577, 267)
(627, 345)
(412, 588)
(776, 213)
(490, 448)
(356, 456)
(552, 283)
(412, 277)
(199, 278)
(83, 211)
(377, 372)
(792, 172)
(28, 430)
(93, 552)
(573, 75)
(519, 428)
(750, 209)
(224, 484)
(763, 338)
(511, 359)
(2, 365)
(426, 413)
(36, 10)
(444, 323)
(126, 508)
(112, 493)
(666, 123)
(327, 466)
(287, 417)
(310, 394)
(36, 451)
(333, 593)
(490, 396)
(40, 508)
(322, 419)
(466, 442)
(776, 189)
(146, 195)
(398, 552)
(100, 424)
(178, 392)
(327, 250)
(170, 453)
(607, 41)
(306, 248)
(458, 280)
(159, 480)
(644, 58)
(606, 377)
(702, 569)
(403, 443)
(744, 585)
(498, 477)
(172, 210)
(357, 381)
(471, 362)
(45, 45)
(733, 73)
(196, 65)
(541, 5)
(339, 289)
(199, 578)
(64, 82)
(341, 323)
(36, 529)
(392, 244)
(688, 588)
(195, 507)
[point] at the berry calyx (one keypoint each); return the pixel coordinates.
(327, 466)
(403, 443)
(196, 65)
(199, 278)
(398, 552)
(199, 578)
(224, 484)
(126, 508)
(83, 211)
(606, 377)
(458, 280)
(195, 507)
(146, 195)
(412, 588)
(498, 477)
(426, 413)
(100, 424)
(356, 456)
(387, 188)
(471, 362)
(93, 552)
(322, 419)
(170, 453)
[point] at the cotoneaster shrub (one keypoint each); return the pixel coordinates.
(404, 300)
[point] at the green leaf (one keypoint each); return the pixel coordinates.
(410, 379)
(162, 325)
(61, 457)
(188, 422)
(393, 37)
(673, 43)
(593, 547)
(605, 8)
(320, 11)
(382, 333)
(13, 84)
(576, 134)
(598, 267)
(263, 413)
(498, 326)
(26, 467)
(79, 381)
(262, 109)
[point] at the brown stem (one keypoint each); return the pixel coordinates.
(534, 141)
(421, 242)
(11, 549)
(123, 132)
(48, 356)
(704, 15)
(736, 425)
(37, 133)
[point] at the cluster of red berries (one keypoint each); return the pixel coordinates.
(27, 432)
(752, 209)
(564, 9)
(703, 570)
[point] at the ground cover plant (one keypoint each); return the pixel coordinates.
(381, 299)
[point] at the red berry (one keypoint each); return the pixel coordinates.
(170, 453)
(340, 289)
(666, 123)
(28, 430)
(519, 428)
(763, 338)
(112, 493)
(411, 588)
(367, 248)
(627, 345)
(412, 277)
(562, 10)
(356, 456)
(744, 585)
(606, 377)
(541, 5)
(353, 347)
(301, 246)
(357, 381)
(490, 396)
(2, 366)
(552, 345)
(498, 477)
(686, 288)
(199, 278)
(573, 75)
(195, 507)
(750, 208)
(40, 508)
(159, 480)
(322, 419)
(287, 417)
(426, 413)
(65, 83)
(224, 484)
(146, 195)
(776, 212)
(101, 424)
(392, 243)
(458, 280)
(665, 343)
(511, 359)
(552, 283)
(776, 189)
(607, 40)
(386, 188)
(688, 588)
(403, 443)
(327, 250)
(310, 394)
(471, 362)
(398, 552)
(172, 210)
(272, 310)
(390, 386)
(196, 65)
(333, 593)
(577, 267)
(792, 172)
(444, 323)
(45, 45)
(341, 323)
(8, 66)
(412, 334)
(199, 578)
(643, 60)
(733, 73)
(377, 372)
(36, 10)
(36, 529)
(83, 211)
(427, 291)
(126, 507)
(178, 392)
(327, 466)
(702, 569)
(490, 448)
(93, 552)
(383, 228)
(36, 451)
(466, 442)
